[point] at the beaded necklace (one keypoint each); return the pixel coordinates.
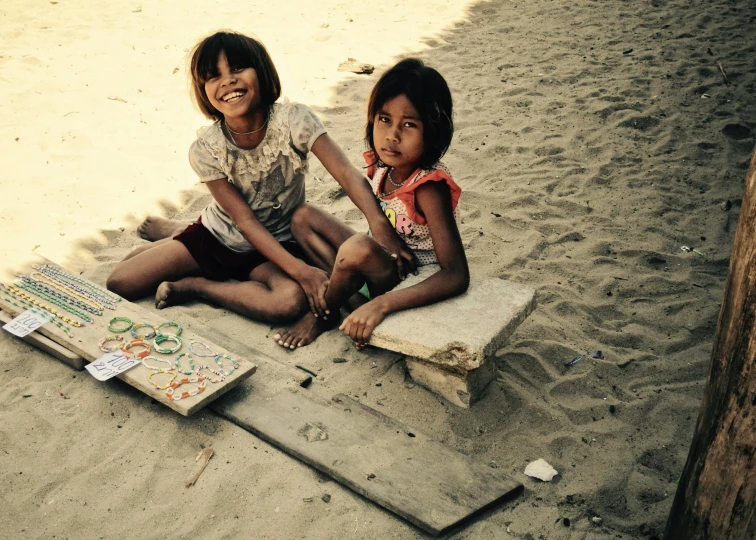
(26, 305)
(90, 290)
(16, 292)
(30, 283)
(53, 300)
(61, 288)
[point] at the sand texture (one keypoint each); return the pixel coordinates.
(593, 140)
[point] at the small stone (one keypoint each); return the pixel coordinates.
(597, 521)
(339, 360)
(541, 469)
(307, 499)
(370, 476)
(725, 206)
(326, 498)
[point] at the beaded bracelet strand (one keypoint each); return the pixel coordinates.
(147, 335)
(89, 290)
(169, 324)
(163, 360)
(110, 348)
(126, 348)
(219, 360)
(94, 289)
(55, 301)
(220, 377)
(207, 352)
(165, 386)
(162, 338)
(16, 292)
(171, 390)
(177, 363)
(118, 330)
(95, 309)
(49, 316)
(64, 288)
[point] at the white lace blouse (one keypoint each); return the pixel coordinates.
(270, 177)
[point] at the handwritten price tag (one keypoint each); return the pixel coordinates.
(111, 364)
(25, 324)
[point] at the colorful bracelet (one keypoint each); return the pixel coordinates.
(169, 324)
(112, 326)
(111, 348)
(219, 359)
(137, 343)
(163, 360)
(162, 338)
(177, 363)
(220, 377)
(148, 335)
(173, 396)
(209, 352)
(165, 386)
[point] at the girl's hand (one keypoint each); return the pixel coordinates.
(387, 237)
(314, 283)
(359, 325)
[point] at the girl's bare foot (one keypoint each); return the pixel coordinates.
(174, 293)
(156, 228)
(304, 331)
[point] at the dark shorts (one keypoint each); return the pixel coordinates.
(219, 263)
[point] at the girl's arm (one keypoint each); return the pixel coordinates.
(357, 187)
(312, 280)
(433, 200)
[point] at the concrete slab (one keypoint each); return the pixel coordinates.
(458, 334)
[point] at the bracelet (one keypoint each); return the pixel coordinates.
(218, 360)
(162, 338)
(208, 350)
(220, 377)
(177, 363)
(172, 373)
(111, 348)
(173, 396)
(169, 324)
(137, 343)
(112, 327)
(164, 360)
(148, 335)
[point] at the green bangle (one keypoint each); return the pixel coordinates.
(174, 324)
(162, 338)
(113, 328)
(191, 363)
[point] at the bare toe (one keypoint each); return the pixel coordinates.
(156, 228)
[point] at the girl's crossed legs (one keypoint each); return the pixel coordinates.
(168, 267)
(353, 261)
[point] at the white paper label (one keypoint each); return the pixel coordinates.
(111, 364)
(25, 324)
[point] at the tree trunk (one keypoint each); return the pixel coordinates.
(716, 497)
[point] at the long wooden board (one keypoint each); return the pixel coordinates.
(85, 344)
(423, 481)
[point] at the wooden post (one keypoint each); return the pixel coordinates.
(716, 497)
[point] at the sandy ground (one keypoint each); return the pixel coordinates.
(593, 140)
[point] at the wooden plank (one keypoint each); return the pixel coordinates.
(85, 340)
(716, 494)
(49, 346)
(372, 454)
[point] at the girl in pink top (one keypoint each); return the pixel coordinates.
(409, 128)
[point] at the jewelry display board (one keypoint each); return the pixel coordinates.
(85, 343)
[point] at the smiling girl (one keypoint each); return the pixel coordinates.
(409, 128)
(253, 159)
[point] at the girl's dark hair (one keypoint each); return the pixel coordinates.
(241, 52)
(429, 94)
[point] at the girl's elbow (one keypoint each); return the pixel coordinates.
(461, 280)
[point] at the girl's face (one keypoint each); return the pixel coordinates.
(398, 135)
(233, 92)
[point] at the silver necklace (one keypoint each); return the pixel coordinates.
(248, 132)
(390, 177)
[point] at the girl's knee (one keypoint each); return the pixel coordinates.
(289, 305)
(357, 251)
(119, 283)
